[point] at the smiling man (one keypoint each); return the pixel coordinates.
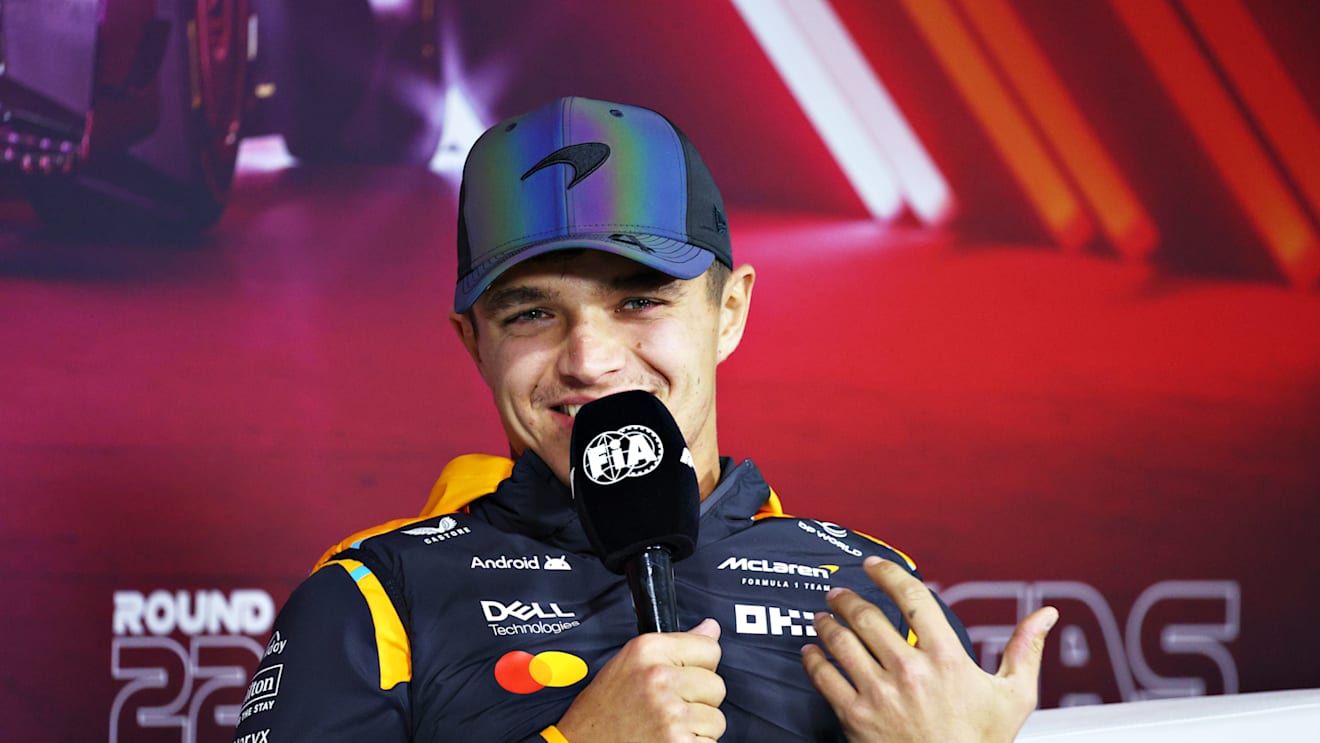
(594, 258)
(565, 328)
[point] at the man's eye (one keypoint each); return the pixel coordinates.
(639, 303)
(531, 315)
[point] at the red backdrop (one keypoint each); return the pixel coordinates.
(1121, 421)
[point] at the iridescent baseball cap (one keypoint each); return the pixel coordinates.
(581, 173)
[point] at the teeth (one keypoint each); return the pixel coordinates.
(571, 410)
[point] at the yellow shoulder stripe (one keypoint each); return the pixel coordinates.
(771, 507)
(462, 481)
(912, 565)
(353, 541)
(392, 648)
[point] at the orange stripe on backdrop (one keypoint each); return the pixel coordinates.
(1221, 130)
(1264, 85)
(1009, 132)
(1121, 215)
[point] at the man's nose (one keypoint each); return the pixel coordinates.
(591, 351)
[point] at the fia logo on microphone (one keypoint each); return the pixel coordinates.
(631, 451)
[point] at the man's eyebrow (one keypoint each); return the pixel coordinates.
(504, 298)
(648, 280)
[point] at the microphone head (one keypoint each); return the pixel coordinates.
(633, 478)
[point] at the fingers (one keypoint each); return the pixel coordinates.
(704, 718)
(933, 691)
(826, 678)
(658, 686)
(870, 635)
(869, 632)
(699, 686)
(698, 647)
(708, 628)
(915, 601)
(1024, 650)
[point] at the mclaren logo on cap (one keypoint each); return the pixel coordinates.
(631, 451)
(582, 158)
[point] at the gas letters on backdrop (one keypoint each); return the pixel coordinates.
(1193, 619)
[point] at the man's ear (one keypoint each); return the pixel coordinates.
(734, 308)
(462, 324)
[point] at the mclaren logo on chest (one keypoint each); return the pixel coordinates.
(583, 158)
(776, 567)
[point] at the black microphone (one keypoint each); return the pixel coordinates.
(635, 487)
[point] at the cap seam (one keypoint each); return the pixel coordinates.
(681, 158)
(566, 135)
(657, 230)
(522, 248)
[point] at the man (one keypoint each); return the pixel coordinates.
(594, 258)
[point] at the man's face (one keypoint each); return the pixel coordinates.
(563, 329)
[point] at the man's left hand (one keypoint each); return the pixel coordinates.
(931, 691)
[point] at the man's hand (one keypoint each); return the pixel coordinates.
(930, 692)
(659, 687)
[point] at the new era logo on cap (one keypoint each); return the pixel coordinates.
(633, 185)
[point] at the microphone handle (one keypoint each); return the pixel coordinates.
(651, 578)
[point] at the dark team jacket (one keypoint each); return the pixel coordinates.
(483, 624)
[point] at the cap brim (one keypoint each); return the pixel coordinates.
(675, 258)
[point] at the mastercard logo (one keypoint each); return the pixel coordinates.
(523, 673)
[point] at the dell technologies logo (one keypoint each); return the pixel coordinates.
(519, 618)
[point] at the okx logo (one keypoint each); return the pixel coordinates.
(523, 673)
(757, 619)
(631, 451)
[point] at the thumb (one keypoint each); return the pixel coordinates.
(1023, 654)
(708, 628)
